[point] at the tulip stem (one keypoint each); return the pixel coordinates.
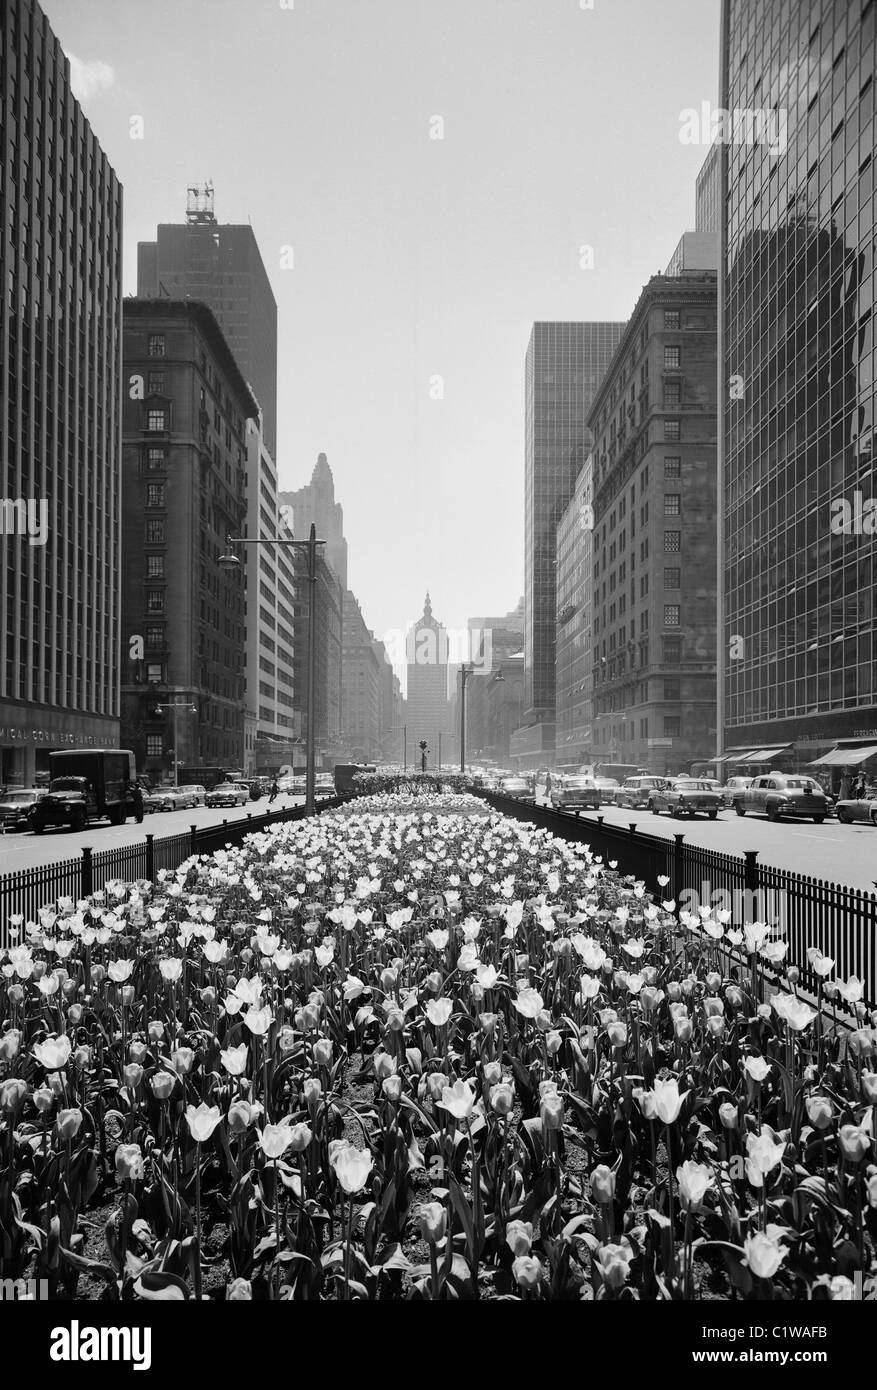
(198, 1221)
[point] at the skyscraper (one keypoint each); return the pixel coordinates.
(315, 504)
(427, 707)
(185, 411)
(575, 590)
(565, 364)
(220, 264)
(799, 638)
(60, 464)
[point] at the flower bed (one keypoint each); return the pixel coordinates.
(406, 1050)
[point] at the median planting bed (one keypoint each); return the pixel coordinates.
(413, 1049)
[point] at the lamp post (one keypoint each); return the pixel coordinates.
(519, 686)
(231, 561)
(465, 673)
(176, 708)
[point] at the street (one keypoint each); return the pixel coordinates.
(21, 850)
(844, 854)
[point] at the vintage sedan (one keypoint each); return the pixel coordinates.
(779, 794)
(170, 799)
(229, 794)
(687, 796)
(732, 787)
(15, 808)
(575, 793)
(863, 808)
(637, 791)
(519, 788)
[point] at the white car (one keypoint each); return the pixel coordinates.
(228, 794)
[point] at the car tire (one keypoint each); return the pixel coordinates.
(773, 814)
(79, 821)
(842, 818)
(37, 828)
(712, 814)
(818, 820)
(739, 809)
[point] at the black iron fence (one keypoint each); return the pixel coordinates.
(24, 891)
(840, 921)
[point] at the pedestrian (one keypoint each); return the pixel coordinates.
(548, 784)
(846, 785)
(859, 787)
(275, 791)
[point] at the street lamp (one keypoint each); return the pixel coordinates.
(519, 685)
(231, 561)
(465, 673)
(175, 709)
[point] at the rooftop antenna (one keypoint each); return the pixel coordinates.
(199, 204)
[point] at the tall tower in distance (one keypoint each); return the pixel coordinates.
(315, 502)
(428, 712)
(220, 264)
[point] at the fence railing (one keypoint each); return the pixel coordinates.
(24, 891)
(839, 920)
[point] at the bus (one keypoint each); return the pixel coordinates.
(209, 777)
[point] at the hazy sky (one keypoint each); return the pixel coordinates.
(414, 258)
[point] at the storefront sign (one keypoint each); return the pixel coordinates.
(21, 735)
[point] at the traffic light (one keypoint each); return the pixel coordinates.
(422, 745)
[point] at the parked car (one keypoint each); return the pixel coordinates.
(862, 808)
(637, 791)
(196, 792)
(229, 794)
(16, 807)
(607, 787)
(519, 788)
(778, 794)
(159, 799)
(324, 786)
(731, 787)
(573, 793)
(686, 796)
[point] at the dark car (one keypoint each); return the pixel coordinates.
(575, 794)
(779, 794)
(16, 806)
(519, 788)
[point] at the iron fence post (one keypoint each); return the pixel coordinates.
(193, 835)
(87, 872)
(150, 856)
(678, 854)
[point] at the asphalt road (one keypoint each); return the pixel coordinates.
(845, 854)
(20, 849)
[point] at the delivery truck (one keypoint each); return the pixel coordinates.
(89, 784)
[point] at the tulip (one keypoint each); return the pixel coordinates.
(871, 1191)
(54, 1053)
(756, 1068)
(44, 1099)
(869, 1087)
(603, 1184)
(694, 1181)
(182, 1060)
(763, 1255)
(10, 1044)
(502, 1098)
(433, 1222)
(239, 1291)
(163, 1083)
(202, 1121)
(384, 1065)
(729, 1115)
(323, 1052)
(438, 1011)
(69, 1123)
(352, 1167)
(299, 1137)
(392, 1088)
(551, 1114)
(519, 1237)
(241, 1114)
(668, 1101)
(614, 1262)
(234, 1059)
(492, 1073)
(133, 1075)
(855, 1141)
(819, 1111)
(458, 1100)
(12, 1094)
(129, 1162)
(527, 1272)
(764, 1152)
(274, 1140)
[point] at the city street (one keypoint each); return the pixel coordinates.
(21, 849)
(845, 854)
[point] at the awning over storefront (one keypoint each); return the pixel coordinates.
(845, 757)
(735, 756)
(764, 755)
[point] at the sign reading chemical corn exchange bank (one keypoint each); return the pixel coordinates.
(8, 734)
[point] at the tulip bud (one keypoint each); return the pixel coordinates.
(162, 1084)
(603, 1184)
(729, 1115)
(129, 1162)
(617, 1034)
(10, 1044)
(793, 974)
(527, 1272)
(388, 981)
(239, 1291)
(519, 1237)
(715, 1027)
(310, 1017)
(39, 969)
(82, 1057)
(522, 963)
(553, 1042)
(127, 995)
(433, 1222)
(55, 1081)
(323, 1052)
(133, 1074)
(15, 994)
(492, 1073)
(713, 982)
(854, 1142)
(869, 1087)
(70, 989)
(871, 1190)
(502, 1098)
(433, 982)
(241, 1114)
(182, 1059)
(819, 1111)
(156, 1031)
(392, 1088)
(69, 1122)
(487, 1023)
(551, 1113)
(44, 1099)
(674, 990)
(208, 998)
(396, 1021)
(436, 1081)
(734, 997)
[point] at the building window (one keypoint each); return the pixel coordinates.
(671, 429)
(155, 458)
(672, 541)
(672, 651)
(155, 533)
(154, 601)
(671, 318)
(155, 421)
(154, 744)
(671, 690)
(672, 726)
(672, 504)
(155, 494)
(155, 566)
(673, 577)
(671, 358)
(672, 398)
(155, 384)
(155, 672)
(673, 467)
(672, 613)
(157, 344)
(155, 638)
